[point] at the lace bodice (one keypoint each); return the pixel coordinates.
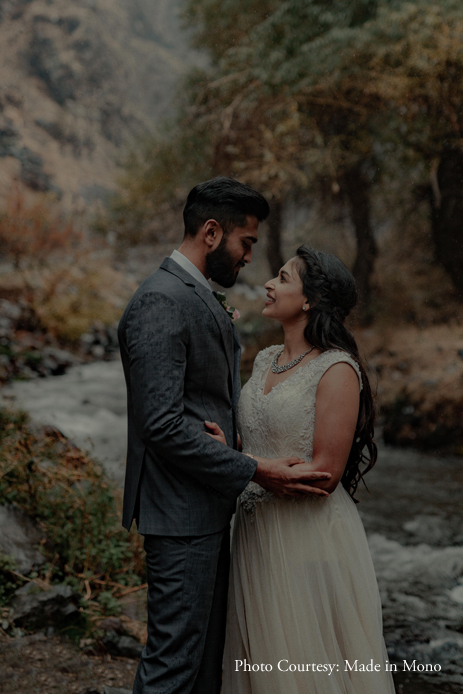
(281, 423)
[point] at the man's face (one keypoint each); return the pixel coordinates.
(233, 252)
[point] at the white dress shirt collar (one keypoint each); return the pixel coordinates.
(189, 267)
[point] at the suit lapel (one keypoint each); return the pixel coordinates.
(236, 367)
(223, 320)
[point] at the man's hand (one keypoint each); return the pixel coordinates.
(288, 477)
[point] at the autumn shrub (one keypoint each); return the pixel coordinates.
(76, 507)
(60, 270)
(32, 235)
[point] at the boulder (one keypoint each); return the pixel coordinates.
(19, 539)
(34, 608)
(124, 646)
(106, 690)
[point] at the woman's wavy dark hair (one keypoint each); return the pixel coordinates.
(331, 293)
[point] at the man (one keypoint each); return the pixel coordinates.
(180, 354)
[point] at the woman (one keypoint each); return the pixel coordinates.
(304, 612)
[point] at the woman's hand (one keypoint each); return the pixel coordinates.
(217, 432)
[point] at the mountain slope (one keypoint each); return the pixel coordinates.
(78, 80)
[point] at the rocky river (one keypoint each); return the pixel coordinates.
(412, 513)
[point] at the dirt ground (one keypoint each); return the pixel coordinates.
(40, 665)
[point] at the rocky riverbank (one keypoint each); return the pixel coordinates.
(28, 352)
(413, 518)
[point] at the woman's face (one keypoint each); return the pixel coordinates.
(285, 299)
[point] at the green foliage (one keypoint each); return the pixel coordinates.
(156, 174)
(231, 21)
(290, 47)
(9, 582)
(109, 604)
(71, 499)
(414, 56)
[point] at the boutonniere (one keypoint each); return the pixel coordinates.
(231, 310)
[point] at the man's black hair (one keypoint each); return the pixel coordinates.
(225, 200)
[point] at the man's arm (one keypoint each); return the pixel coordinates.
(157, 340)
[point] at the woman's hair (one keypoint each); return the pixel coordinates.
(330, 290)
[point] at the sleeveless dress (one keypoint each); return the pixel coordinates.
(304, 612)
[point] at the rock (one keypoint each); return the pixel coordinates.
(446, 650)
(56, 361)
(456, 594)
(9, 138)
(46, 63)
(106, 690)
(98, 351)
(71, 666)
(6, 325)
(32, 173)
(86, 340)
(124, 646)
(426, 528)
(34, 608)
(100, 341)
(9, 310)
(19, 538)
(111, 624)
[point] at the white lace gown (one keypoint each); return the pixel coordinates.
(303, 592)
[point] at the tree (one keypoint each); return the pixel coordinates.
(412, 58)
(273, 77)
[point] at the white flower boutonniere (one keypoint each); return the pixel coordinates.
(231, 310)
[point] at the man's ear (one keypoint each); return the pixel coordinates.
(212, 233)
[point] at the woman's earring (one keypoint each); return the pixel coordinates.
(304, 308)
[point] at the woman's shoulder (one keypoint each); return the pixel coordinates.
(267, 353)
(264, 357)
(330, 357)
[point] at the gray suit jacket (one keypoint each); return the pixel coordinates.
(179, 351)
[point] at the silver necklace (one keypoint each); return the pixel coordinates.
(279, 369)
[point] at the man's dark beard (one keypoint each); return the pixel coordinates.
(220, 265)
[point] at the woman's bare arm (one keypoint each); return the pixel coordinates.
(336, 413)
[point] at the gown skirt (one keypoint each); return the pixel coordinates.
(304, 600)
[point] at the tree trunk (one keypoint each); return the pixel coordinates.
(274, 221)
(447, 216)
(357, 190)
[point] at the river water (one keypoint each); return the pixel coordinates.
(413, 515)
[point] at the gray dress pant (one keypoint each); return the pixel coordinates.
(187, 606)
